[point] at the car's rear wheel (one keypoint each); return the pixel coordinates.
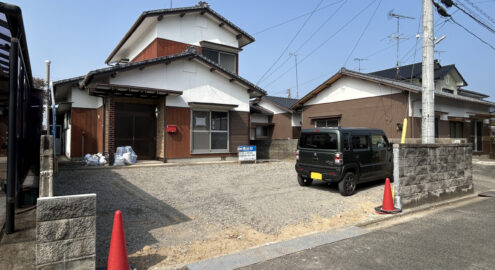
(347, 186)
(304, 181)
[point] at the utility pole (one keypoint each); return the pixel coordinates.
(428, 83)
(297, 80)
(359, 62)
(44, 126)
(398, 37)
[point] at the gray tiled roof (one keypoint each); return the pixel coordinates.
(414, 71)
(69, 80)
(285, 103)
(190, 53)
(200, 7)
(386, 81)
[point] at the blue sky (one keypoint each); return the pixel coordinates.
(77, 36)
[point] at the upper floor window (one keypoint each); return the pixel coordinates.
(226, 60)
(445, 90)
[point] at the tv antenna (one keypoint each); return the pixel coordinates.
(439, 54)
(397, 36)
(359, 62)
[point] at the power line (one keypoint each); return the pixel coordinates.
(290, 43)
(473, 34)
(295, 18)
(480, 11)
(474, 18)
(362, 33)
(323, 43)
(306, 41)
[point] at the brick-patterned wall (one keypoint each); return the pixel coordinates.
(110, 127)
(160, 130)
(432, 172)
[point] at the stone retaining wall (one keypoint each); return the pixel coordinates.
(276, 149)
(66, 232)
(431, 172)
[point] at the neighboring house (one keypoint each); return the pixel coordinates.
(273, 118)
(380, 100)
(173, 90)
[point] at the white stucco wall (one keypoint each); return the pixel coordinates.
(141, 38)
(450, 82)
(296, 119)
(193, 28)
(193, 78)
(67, 134)
(81, 99)
(269, 106)
(349, 88)
(454, 108)
(259, 118)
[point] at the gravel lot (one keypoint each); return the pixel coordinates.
(174, 215)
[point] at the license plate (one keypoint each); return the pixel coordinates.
(316, 176)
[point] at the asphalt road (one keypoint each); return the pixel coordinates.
(458, 238)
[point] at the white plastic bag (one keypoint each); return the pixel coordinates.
(119, 160)
(91, 160)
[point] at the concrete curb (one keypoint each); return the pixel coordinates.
(483, 162)
(136, 166)
(273, 250)
(417, 209)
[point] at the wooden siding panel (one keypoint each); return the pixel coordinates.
(383, 112)
(84, 120)
(150, 52)
(99, 129)
(178, 144)
(239, 130)
(282, 128)
(162, 47)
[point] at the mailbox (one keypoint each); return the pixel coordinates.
(171, 129)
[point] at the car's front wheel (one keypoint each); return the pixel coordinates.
(304, 181)
(347, 185)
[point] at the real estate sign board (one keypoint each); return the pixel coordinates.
(247, 152)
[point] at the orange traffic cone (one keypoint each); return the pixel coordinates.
(388, 202)
(117, 256)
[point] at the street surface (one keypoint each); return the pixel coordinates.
(458, 238)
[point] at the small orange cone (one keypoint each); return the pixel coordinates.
(388, 202)
(117, 256)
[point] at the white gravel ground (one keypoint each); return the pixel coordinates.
(176, 206)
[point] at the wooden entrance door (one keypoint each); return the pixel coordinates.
(135, 125)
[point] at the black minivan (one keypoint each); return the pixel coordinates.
(343, 155)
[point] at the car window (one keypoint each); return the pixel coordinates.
(347, 146)
(378, 141)
(318, 140)
(359, 142)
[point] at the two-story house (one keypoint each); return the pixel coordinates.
(172, 90)
(384, 98)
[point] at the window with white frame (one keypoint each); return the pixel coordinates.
(324, 123)
(210, 131)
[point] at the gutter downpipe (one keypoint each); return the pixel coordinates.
(12, 140)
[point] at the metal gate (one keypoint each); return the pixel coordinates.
(135, 125)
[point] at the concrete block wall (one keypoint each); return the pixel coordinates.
(276, 149)
(46, 166)
(431, 172)
(66, 232)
